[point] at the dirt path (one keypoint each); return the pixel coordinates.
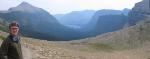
(26, 53)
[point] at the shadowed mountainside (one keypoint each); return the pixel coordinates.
(37, 23)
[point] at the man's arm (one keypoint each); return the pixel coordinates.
(4, 49)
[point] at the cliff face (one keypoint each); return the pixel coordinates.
(139, 12)
(143, 6)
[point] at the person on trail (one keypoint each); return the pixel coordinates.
(11, 46)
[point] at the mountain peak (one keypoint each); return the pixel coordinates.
(26, 7)
(24, 4)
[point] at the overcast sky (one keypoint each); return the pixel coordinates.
(65, 6)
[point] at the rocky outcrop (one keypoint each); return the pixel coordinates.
(104, 21)
(139, 11)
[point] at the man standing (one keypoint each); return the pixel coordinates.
(11, 46)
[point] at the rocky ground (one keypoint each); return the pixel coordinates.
(38, 49)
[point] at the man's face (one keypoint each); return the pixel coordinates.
(14, 30)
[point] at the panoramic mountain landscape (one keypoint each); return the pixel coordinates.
(104, 34)
(38, 23)
(78, 18)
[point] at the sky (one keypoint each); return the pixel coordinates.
(65, 6)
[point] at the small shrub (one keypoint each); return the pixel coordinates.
(103, 47)
(2, 37)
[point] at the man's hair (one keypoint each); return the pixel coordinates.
(13, 24)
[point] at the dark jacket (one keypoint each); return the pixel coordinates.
(11, 49)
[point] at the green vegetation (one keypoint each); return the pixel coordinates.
(3, 25)
(3, 28)
(101, 47)
(2, 37)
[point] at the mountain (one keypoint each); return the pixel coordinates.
(38, 23)
(128, 37)
(126, 11)
(95, 23)
(104, 21)
(139, 11)
(26, 7)
(75, 18)
(104, 12)
(109, 23)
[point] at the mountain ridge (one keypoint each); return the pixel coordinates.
(25, 7)
(38, 24)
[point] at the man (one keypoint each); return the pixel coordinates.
(11, 47)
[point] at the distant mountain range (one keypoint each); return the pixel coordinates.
(104, 21)
(38, 23)
(97, 22)
(129, 37)
(75, 18)
(105, 12)
(108, 23)
(81, 18)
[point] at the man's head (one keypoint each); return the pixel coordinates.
(13, 28)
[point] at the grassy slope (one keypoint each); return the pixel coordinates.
(3, 25)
